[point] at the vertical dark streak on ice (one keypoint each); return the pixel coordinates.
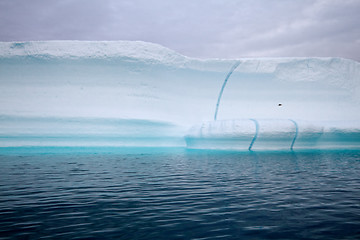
(296, 134)
(257, 66)
(223, 86)
(256, 133)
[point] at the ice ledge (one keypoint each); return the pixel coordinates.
(89, 49)
(273, 134)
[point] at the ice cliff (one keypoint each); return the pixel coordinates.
(66, 93)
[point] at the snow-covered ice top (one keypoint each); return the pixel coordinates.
(89, 49)
(306, 68)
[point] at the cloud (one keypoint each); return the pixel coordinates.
(319, 29)
(201, 28)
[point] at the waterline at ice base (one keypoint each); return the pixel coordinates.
(137, 94)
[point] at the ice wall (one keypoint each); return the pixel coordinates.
(52, 90)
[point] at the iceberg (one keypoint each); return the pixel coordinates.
(131, 93)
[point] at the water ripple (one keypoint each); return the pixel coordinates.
(181, 196)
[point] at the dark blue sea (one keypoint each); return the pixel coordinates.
(108, 193)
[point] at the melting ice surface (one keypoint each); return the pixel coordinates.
(70, 93)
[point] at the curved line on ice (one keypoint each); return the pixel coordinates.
(256, 133)
(296, 134)
(223, 86)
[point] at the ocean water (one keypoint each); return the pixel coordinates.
(104, 193)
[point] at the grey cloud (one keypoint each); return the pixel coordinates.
(318, 25)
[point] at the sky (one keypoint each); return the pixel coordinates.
(195, 28)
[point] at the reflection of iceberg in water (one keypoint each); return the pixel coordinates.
(141, 94)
